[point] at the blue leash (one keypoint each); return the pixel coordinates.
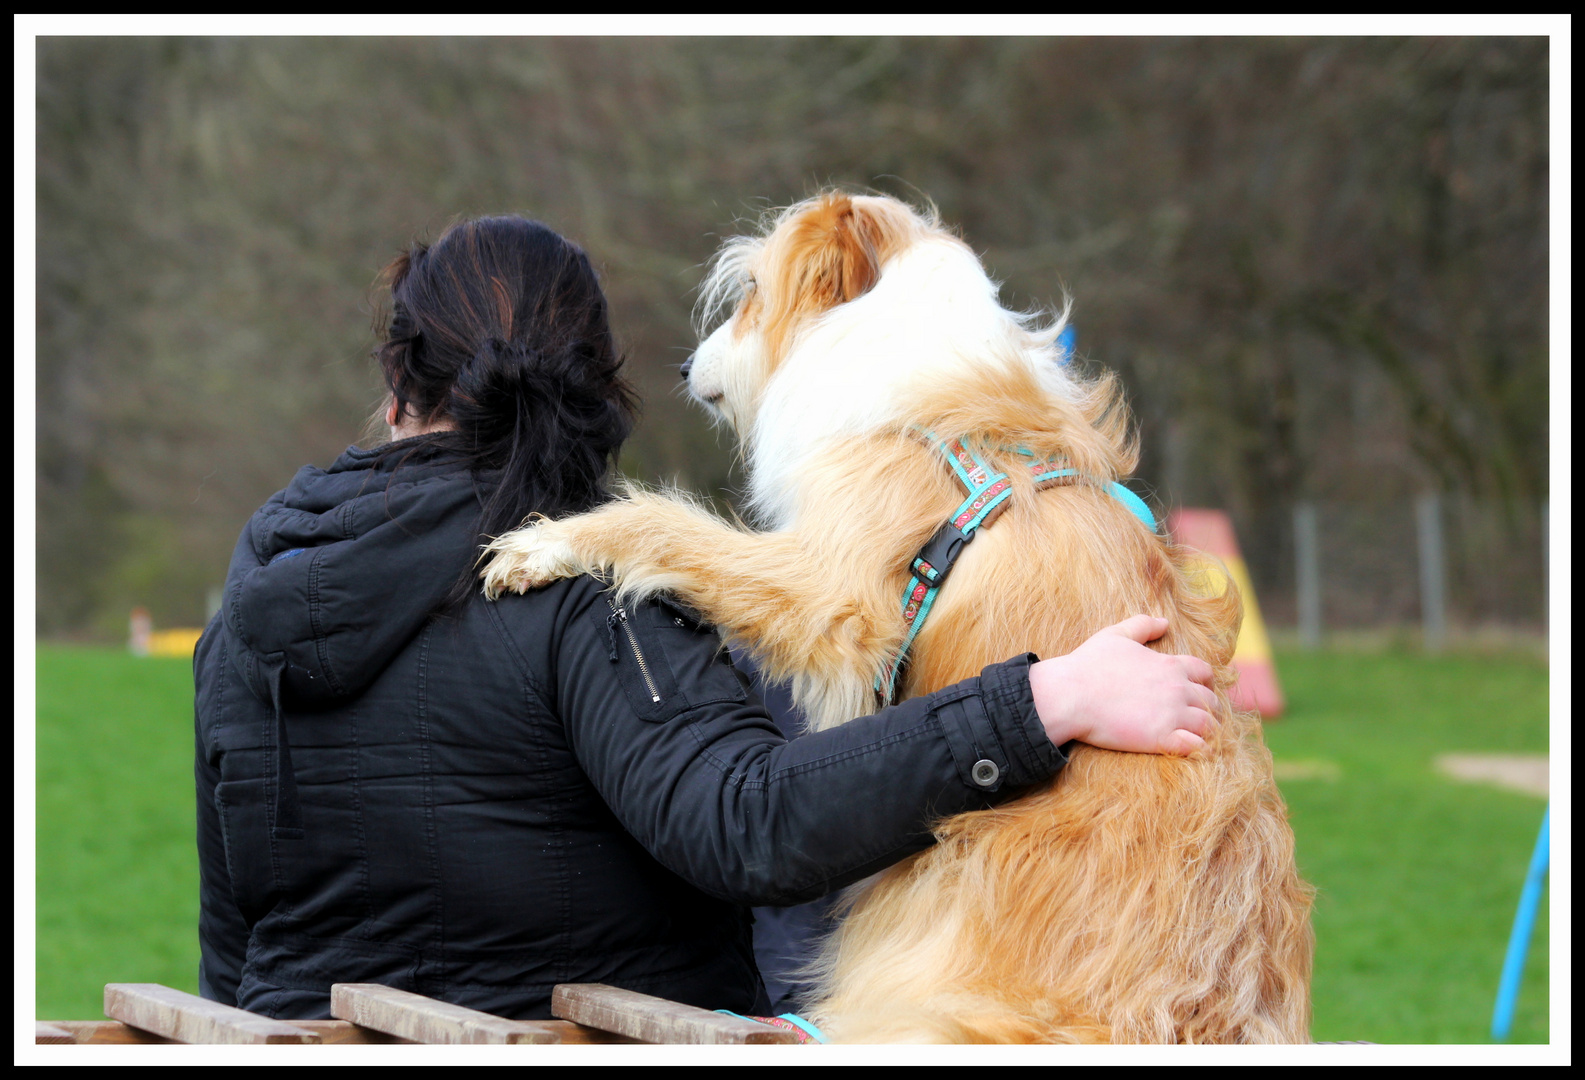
(1523, 925)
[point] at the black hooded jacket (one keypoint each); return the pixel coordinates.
(548, 788)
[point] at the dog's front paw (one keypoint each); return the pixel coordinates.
(529, 557)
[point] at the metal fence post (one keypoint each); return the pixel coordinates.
(1433, 575)
(1307, 564)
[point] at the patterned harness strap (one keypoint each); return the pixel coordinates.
(802, 1029)
(988, 491)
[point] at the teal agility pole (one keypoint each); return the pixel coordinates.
(1519, 941)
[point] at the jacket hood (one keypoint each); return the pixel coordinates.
(333, 576)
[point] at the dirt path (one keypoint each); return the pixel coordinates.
(1516, 772)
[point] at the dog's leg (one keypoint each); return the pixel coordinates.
(636, 542)
(771, 592)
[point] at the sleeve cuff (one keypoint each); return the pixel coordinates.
(996, 736)
(1011, 704)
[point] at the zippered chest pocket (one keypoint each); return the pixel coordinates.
(646, 677)
(666, 661)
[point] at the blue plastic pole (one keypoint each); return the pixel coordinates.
(1065, 343)
(1519, 942)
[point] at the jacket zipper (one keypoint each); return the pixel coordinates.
(638, 654)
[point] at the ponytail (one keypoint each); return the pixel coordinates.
(500, 330)
(547, 419)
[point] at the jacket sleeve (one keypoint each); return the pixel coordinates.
(222, 932)
(690, 763)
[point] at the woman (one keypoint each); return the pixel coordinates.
(401, 782)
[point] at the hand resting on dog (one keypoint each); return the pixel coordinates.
(1114, 693)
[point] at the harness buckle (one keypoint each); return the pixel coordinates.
(935, 559)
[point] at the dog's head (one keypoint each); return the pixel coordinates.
(810, 259)
(848, 316)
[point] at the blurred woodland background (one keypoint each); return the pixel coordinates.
(1319, 265)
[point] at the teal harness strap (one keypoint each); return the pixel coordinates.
(787, 1020)
(988, 492)
(1042, 471)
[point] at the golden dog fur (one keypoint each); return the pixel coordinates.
(1135, 898)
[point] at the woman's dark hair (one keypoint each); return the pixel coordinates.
(500, 327)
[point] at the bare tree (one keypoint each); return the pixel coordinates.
(1320, 265)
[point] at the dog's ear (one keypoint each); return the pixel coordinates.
(830, 251)
(836, 253)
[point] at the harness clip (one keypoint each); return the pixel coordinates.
(938, 555)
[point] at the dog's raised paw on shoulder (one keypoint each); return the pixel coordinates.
(528, 558)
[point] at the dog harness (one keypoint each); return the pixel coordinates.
(802, 1030)
(988, 491)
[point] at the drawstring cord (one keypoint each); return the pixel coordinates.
(286, 819)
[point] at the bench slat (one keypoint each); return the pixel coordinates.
(186, 1018)
(105, 1032)
(331, 1032)
(425, 1020)
(655, 1020)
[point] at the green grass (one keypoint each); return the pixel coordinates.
(117, 893)
(1418, 876)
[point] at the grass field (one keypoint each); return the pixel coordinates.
(1418, 875)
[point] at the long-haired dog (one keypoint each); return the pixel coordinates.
(1135, 898)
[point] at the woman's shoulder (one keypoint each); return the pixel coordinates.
(569, 593)
(576, 617)
(536, 620)
(591, 594)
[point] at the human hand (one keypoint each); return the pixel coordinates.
(1114, 693)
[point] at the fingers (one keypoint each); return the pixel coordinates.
(1202, 697)
(1140, 628)
(1194, 727)
(1197, 721)
(1197, 670)
(1114, 693)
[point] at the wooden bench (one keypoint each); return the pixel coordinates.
(368, 1013)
